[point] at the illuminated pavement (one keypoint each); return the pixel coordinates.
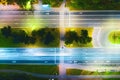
(85, 58)
(52, 56)
(51, 18)
(25, 18)
(93, 18)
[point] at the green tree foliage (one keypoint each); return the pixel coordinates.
(84, 33)
(41, 33)
(46, 35)
(6, 31)
(49, 37)
(24, 4)
(32, 40)
(10, 1)
(19, 36)
(94, 4)
(53, 3)
(34, 33)
(84, 38)
(71, 36)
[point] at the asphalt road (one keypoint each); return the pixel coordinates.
(52, 18)
(52, 56)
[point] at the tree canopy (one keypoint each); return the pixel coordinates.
(81, 38)
(94, 4)
(46, 35)
(18, 36)
(6, 31)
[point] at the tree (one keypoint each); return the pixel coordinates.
(32, 40)
(34, 33)
(25, 4)
(45, 35)
(68, 41)
(84, 33)
(10, 1)
(41, 32)
(29, 40)
(48, 38)
(84, 38)
(71, 36)
(95, 1)
(89, 39)
(19, 36)
(6, 31)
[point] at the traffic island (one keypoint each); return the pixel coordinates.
(25, 37)
(114, 37)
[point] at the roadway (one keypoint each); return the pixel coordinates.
(52, 56)
(51, 18)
